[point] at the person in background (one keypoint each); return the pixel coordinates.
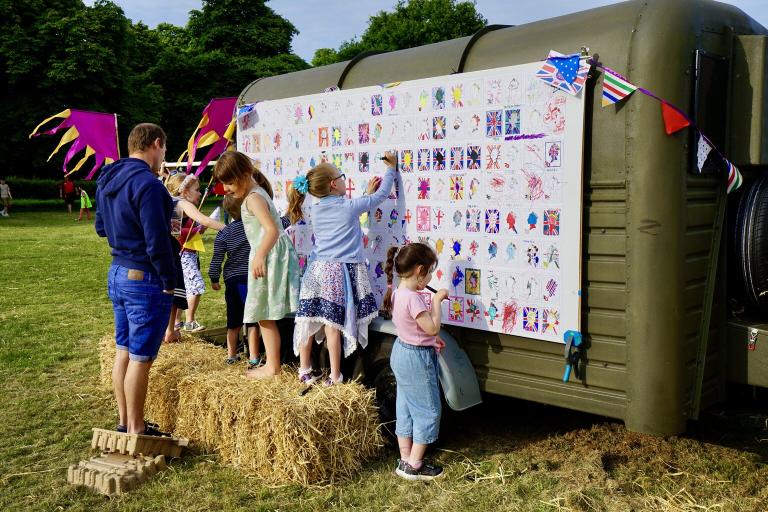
(232, 244)
(5, 197)
(85, 204)
(68, 193)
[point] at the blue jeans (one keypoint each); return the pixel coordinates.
(141, 311)
(418, 394)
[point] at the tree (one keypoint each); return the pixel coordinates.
(242, 28)
(412, 23)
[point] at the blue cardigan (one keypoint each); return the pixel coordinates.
(336, 223)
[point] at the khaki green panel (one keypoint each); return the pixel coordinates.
(571, 396)
(697, 240)
(692, 323)
(601, 216)
(551, 367)
(609, 195)
(701, 215)
(605, 322)
(606, 296)
(694, 295)
(411, 64)
(606, 244)
(609, 271)
(749, 131)
(299, 83)
(696, 267)
(605, 351)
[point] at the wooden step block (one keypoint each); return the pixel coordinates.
(112, 474)
(110, 441)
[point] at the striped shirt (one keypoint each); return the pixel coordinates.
(230, 241)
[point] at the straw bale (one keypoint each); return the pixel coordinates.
(267, 429)
(106, 359)
(263, 427)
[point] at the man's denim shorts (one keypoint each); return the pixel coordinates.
(418, 394)
(141, 311)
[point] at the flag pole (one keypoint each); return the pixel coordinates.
(117, 139)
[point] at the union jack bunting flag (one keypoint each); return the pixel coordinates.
(551, 222)
(566, 72)
(493, 123)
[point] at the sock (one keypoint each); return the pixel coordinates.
(305, 371)
(418, 464)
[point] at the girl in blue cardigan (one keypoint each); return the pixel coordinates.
(336, 300)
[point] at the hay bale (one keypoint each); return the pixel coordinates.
(174, 362)
(106, 360)
(263, 427)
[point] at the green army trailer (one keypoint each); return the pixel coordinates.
(653, 237)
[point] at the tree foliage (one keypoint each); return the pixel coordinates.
(58, 54)
(410, 24)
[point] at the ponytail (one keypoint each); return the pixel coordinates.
(295, 200)
(262, 181)
(389, 270)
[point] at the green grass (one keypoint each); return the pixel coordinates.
(504, 455)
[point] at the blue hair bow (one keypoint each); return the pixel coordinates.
(301, 184)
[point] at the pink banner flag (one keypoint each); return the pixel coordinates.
(215, 129)
(96, 132)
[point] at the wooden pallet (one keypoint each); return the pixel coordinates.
(110, 441)
(112, 474)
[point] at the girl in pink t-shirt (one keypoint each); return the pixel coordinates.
(414, 356)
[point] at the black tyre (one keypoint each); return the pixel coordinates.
(381, 378)
(751, 244)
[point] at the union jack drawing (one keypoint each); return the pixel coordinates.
(492, 218)
(457, 187)
(438, 127)
(566, 72)
(424, 188)
(530, 319)
(552, 222)
(457, 158)
(424, 159)
(473, 220)
(473, 157)
(493, 123)
(551, 288)
(438, 159)
(406, 160)
(550, 320)
(493, 156)
(376, 105)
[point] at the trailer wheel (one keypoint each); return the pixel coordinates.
(381, 378)
(751, 243)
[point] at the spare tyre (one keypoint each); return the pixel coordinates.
(751, 243)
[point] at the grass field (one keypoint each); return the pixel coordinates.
(504, 455)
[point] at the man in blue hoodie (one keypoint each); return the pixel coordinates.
(133, 210)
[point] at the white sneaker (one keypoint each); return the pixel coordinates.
(193, 326)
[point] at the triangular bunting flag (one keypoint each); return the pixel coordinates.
(674, 120)
(702, 153)
(566, 72)
(195, 243)
(615, 87)
(734, 177)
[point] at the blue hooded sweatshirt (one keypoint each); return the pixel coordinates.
(133, 210)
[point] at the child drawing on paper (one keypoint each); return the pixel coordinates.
(533, 219)
(414, 356)
(511, 252)
(491, 312)
(327, 310)
(511, 220)
(533, 255)
(472, 286)
(493, 249)
(509, 317)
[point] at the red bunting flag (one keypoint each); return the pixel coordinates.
(674, 120)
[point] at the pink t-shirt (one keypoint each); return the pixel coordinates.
(407, 305)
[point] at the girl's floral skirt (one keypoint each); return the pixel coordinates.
(338, 295)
